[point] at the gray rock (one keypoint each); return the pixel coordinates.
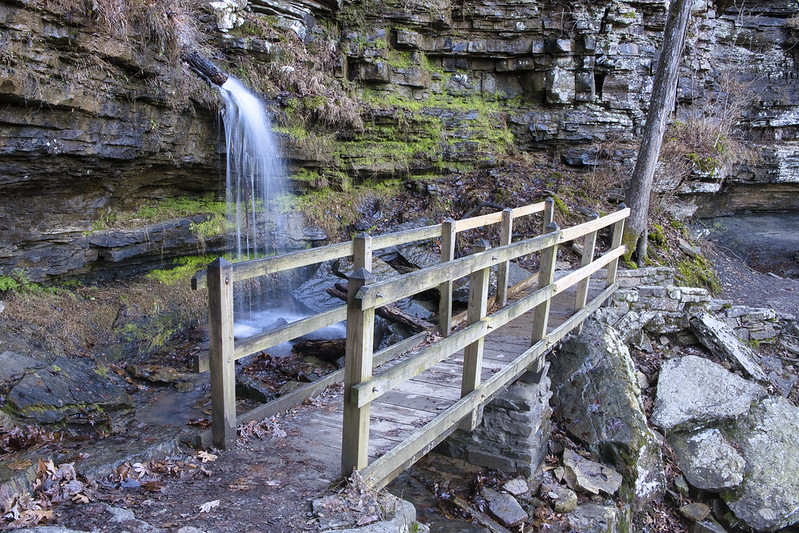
(719, 338)
(708, 460)
(504, 507)
(707, 526)
(404, 519)
(769, 440)
(516, 486)
(693, 392)
(65, 389)
(696, 511)
(564, 500)
(595, 393)
(14, 366)
(589, 476)
(596, 518)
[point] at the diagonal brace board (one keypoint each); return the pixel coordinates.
(381, 471)
(414, 365)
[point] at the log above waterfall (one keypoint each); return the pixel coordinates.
(204, 66)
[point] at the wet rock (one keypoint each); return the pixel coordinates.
(564, 500)
(65, 389)
(768, 438)
(693, 391)
(597, 518)
(596, 396)
(157, 373)
(708, 460)
(695, 512)
(504, 507)
(589, 476)
(721, 341)
(14, 366)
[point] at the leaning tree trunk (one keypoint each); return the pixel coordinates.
(662, 103)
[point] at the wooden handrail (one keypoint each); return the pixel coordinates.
(367, 295)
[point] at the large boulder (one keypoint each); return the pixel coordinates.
(693, 391)
(768, 437)
(65, 391)
(708, 460)
(596, 396)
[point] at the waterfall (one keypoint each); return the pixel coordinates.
(255, 178)
(255, 174)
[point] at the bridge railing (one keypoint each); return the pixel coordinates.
(361, 387)
(220, 276)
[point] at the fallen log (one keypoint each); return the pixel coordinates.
(330, 350)
(389, 312)
(204, 66)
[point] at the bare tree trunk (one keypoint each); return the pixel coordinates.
(662, 103)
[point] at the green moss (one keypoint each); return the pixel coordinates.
(181, 271)
(657, 236)
(561, 206)
(7, 283)
(160, 211)
(697, 272)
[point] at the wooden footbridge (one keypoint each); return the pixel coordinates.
(402, 401)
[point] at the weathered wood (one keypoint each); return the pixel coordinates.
(529, 209)
(389, 312)
(384, 292)
(473, 353)
(549, 213)
(477, 222)
(417, 363)
(204, 66)
(399, 238)
(357, 368)
(297, 396)
(587, 256)
(583, 272)
(223, 375)
(506, 231)
(362, 252)
(329, 350)
(448, 236)
(385, 468)
(618, 234)
(575, 232)
(546, 272)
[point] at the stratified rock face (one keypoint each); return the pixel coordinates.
(93, 122)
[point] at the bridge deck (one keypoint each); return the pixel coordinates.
(395, 415)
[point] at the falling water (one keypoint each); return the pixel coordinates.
(255, 175)
(255, 180)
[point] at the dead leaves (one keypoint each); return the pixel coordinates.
(207, 507)
(53, 485)
(268, 428)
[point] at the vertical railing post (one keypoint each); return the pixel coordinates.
(223, 375)
(546, 273)
(362, 252)
(473, 353)
(549, 213)
(618, 233)
(503, 269)
(448, 236)
(589, 243)
(357, 368)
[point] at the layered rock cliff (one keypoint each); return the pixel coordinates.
(99, 117)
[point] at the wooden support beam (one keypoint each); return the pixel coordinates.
(589, 243)
(223, 375)
(549, 213)
(473, 354)
(357, 368)
(448, 236)
(362, 252)
(618, 233)
(503, 270)
(546, 273)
